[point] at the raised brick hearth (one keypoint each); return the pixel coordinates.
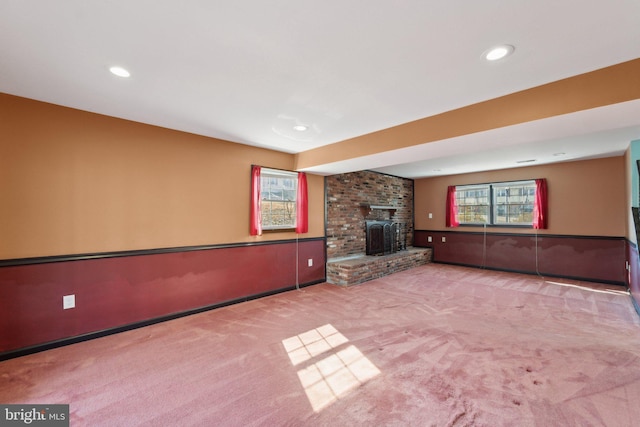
(361, 268)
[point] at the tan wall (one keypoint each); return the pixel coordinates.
(585, 197)
(75, 182)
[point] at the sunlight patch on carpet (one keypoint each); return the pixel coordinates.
(333, 368)
(307, 345)
(586, 288)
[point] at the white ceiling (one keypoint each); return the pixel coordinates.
(247, 71)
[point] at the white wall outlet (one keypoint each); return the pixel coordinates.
(310, 262)
(444, 239)
(429, 239)
(68, 301)
(430, 215)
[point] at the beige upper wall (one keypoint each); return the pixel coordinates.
(585, 197)
(76, 182)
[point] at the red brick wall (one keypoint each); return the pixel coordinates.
(345, 193)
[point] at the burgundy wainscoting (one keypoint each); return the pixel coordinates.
(592, 258)
(116, 291)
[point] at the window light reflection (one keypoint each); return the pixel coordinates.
(586, 288)
(335, 372)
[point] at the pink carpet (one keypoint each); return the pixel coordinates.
(435, 345)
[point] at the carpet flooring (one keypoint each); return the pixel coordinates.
(436, 345)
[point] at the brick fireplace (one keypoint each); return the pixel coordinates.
(355, 199)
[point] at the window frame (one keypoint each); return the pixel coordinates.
(510, 185)
(492, 216)
(267, 175)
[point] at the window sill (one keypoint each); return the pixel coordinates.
(498, 225)
(279, 230)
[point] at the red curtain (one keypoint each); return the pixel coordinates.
(452, 209)
(255, 216)
(540, 219)
(302, 205)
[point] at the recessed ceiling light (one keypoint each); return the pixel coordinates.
(300, 128)
(119, 71)
(498, 52)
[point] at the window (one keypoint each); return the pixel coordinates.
(279, 201)
(504, 203)
(278, 190)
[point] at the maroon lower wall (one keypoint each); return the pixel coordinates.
(600, 259)
(114, 291)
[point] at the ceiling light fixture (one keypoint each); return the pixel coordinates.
(300, 128)
(119, 71)
(498, 52)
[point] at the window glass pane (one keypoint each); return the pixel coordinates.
(513, 203)
(473, 204)
(266, 214)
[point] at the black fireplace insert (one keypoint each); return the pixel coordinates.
(381, 237)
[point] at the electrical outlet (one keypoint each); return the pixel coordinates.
(429, 239)
(430, 215)
(444, 239)
(68, 301)
(310, 262)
